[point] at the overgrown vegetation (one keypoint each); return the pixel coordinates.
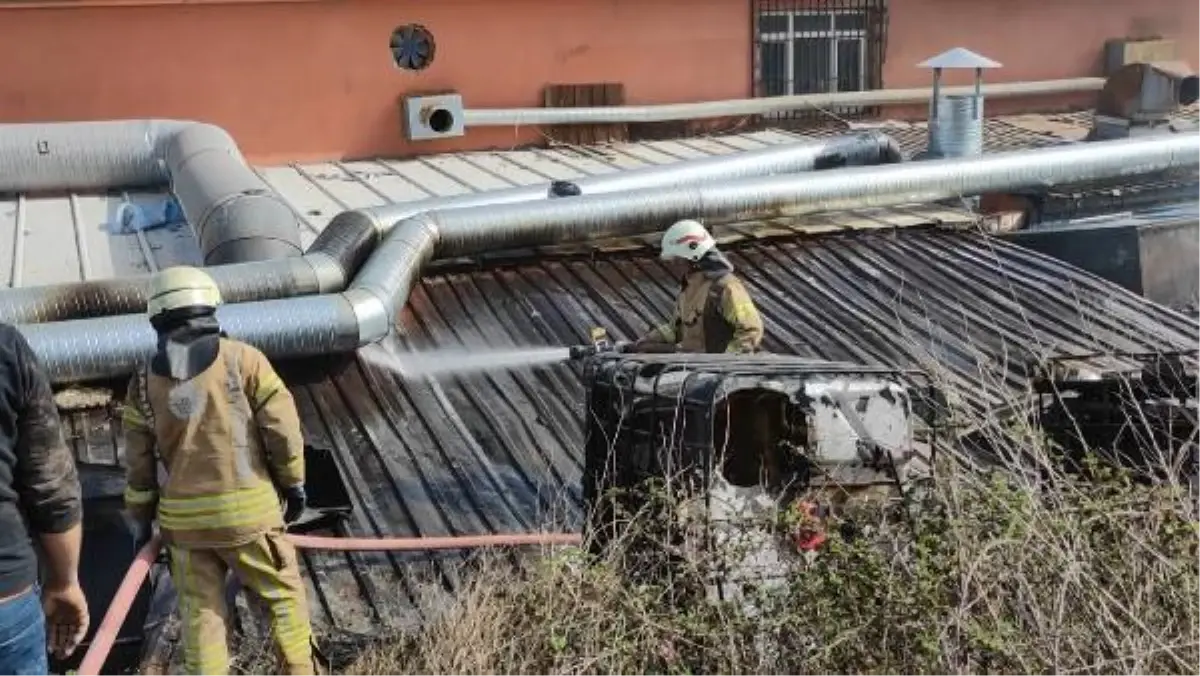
(980, 570)
(979, 574)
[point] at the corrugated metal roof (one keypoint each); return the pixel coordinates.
(502, 452)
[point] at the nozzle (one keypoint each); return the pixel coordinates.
(582, 352)
(600, 343)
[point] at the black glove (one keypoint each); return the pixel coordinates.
(296, 500)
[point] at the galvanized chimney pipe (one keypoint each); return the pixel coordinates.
(341, 248)
(364, 313)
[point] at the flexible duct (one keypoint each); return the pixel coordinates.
(112, 346)
(760, 106)
(236, 216)
(345, 243)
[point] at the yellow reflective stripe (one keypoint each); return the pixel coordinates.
(207, 504)
(666, 331)
(131, 417)
(741, 310)
(244, 507)
(136, 497)
(269, 385)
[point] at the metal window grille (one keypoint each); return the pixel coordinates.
(818, 46)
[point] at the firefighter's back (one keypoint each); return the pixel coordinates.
(218, 490)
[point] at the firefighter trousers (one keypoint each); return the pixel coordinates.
(268, 568)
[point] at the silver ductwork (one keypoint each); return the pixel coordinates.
(235, 215)
(345, 243)
(524, 117)
(113, 346)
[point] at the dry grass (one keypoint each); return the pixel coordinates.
(982, 572)
(1018, 568)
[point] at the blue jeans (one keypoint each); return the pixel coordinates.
(23, 634)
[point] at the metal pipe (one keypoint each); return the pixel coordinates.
(344, 244)
(760, 106)
(235, 215)
(364, 313)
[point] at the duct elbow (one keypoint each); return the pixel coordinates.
(382, 286)
(327, 274)
(371, 313)
(890, 151)
(236, 216)
(347, 241)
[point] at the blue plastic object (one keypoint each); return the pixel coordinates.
(132, 218)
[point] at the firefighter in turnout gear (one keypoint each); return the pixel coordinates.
(713, 312)
(211, 415)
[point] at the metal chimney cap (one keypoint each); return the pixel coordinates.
(959, 57)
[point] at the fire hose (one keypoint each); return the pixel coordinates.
(118, 609)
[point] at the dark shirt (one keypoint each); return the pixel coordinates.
(39, 486)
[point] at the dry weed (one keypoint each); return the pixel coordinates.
(985, 571)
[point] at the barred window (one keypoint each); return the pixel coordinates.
(818, 46)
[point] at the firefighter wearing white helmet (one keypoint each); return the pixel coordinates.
(713, 312)
(225, 428)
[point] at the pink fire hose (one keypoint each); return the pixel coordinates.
(118, 609)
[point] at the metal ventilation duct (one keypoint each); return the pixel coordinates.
(524, 117)
(1140, 99)
(235, 215)
(364, 313)
(957, 129)
(345, 243)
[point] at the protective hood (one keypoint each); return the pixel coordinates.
(714, 265)
(188, 343)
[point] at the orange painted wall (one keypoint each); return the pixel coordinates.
(302, 80)
(1033, 39)
(309, 79)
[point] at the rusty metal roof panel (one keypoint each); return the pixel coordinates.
(502, 452)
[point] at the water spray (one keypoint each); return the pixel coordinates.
(461, 360)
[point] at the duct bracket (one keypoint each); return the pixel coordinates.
(428, 118)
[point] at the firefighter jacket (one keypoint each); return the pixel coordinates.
(226, 438)
(713, 313)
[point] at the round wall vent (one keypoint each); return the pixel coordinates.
(412, 47)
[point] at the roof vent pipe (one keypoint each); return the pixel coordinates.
(88, 349)
(956, 121)
(344, 244)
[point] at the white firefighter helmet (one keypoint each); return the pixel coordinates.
(179, 287)
(686, 239)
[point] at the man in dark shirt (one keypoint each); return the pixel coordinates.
(39, 495)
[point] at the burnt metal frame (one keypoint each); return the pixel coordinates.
(872, 36)
(691, 452)
(1079, 413)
